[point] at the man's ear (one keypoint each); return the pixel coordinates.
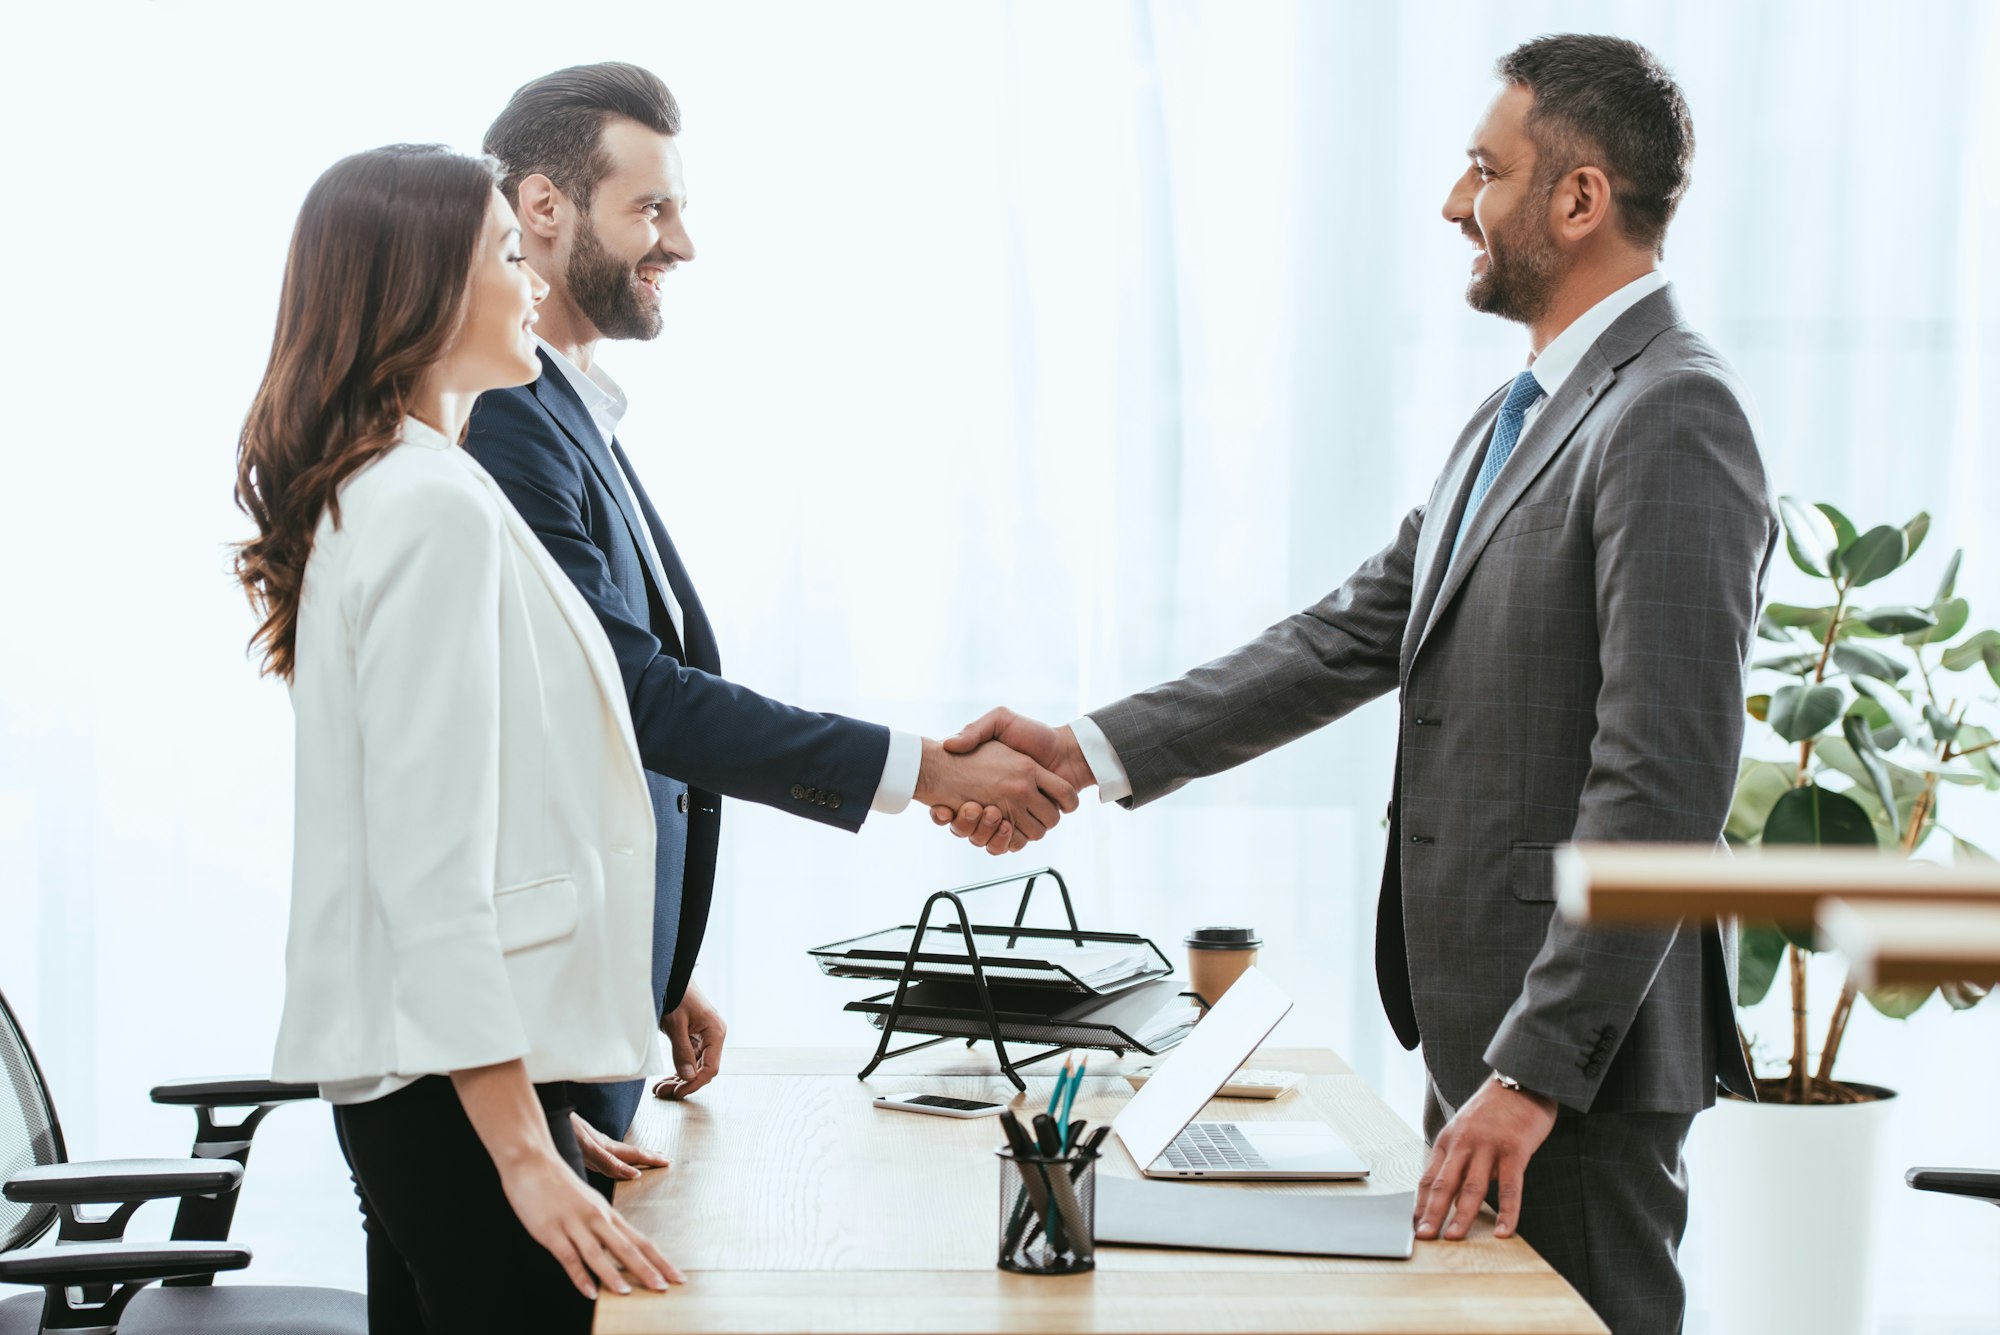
(540, 206)
(1582, 203)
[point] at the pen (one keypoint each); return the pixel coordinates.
(1069, 1101)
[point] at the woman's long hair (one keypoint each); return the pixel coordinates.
(375, 292)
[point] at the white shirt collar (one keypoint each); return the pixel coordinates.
(602, 398)
(415, 432)
(1566, 349)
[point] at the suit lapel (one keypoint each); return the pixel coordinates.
(553, 392)
(1544, 439)
(1447, 503)
(700, 649)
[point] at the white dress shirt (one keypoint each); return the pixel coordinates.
(1552, 367)
(606, 403)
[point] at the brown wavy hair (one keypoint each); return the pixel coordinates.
(374, 293)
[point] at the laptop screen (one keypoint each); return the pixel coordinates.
(1202, 1064)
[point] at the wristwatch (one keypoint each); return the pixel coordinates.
(1508, 1082)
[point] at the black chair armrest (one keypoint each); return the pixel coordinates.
(230, 1091)
(1979, 1183)
(117, 1263)
(115, 1181)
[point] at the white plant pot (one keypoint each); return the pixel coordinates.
(1786, 1201)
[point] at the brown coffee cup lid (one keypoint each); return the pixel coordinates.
(1223, 938)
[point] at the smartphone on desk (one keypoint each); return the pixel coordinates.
(939, 1105)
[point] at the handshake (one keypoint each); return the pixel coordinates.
(1003, 781)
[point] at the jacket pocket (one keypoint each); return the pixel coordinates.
(1531, 873)
(536, 913)
(1535, 518)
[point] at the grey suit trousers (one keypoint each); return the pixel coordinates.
(1605, 1202)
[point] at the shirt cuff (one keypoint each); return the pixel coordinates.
(1112, 783)
(899, 773)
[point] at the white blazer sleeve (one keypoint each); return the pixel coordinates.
(426, 607)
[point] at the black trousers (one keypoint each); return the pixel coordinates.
(1605, 1202)
(446, 1253)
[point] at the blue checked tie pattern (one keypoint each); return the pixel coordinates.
(1506, 432)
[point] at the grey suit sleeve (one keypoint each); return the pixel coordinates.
(1296, 677)
(1684, 530)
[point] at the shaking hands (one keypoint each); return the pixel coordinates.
(1035, 771)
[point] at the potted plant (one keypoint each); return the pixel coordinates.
(1877, 722)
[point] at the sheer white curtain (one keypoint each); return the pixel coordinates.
(1033, 353)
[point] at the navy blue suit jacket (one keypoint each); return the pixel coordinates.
(701, 737)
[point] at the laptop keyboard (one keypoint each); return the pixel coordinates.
(1212, 1145)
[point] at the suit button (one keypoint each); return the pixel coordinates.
(798, 792)
(833, 802)
(681, 802)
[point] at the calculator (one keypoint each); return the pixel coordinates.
(939, 1105)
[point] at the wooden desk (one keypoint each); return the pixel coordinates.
(1921, 944)
(1666, 882)
(796, 1206)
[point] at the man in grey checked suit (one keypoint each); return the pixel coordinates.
(1566, 619)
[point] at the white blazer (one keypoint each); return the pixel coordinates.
(472, 875)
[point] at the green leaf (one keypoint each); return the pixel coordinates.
(1885, 732)
(1813, 619)
(1759, 707)
(1897, 620)
(1796, 665)
(1949, 583)
(1898, 1001)
(1964, 850)
(1902, 714)
(1942, 725)
(1768, 629)
(1967, 652)
(1913, 534)
(1958, 996)
(1760, 953)
(1872, 555)
(1956, 771)
(1760, 957)
(1843, 527)
(1838, 756)
(1817, 816)
(1809, 536)
(1799, 711)
(1861, 738)
(1858, 660)
(1971, 735)
(1951, 614)
(1759, 785)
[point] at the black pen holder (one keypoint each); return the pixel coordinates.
(1048, 1213)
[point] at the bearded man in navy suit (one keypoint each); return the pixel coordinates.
(591, 167)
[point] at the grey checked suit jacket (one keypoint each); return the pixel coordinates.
(1576, 673)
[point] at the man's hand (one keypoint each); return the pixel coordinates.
(1054, 749)
(984, 826)
(613, 1158)
(1491, 1139)
(694, 1031)
(1024, 793)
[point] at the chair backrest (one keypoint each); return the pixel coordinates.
(29, 1133)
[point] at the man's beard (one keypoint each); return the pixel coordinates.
(608, 291)
(1523, 268)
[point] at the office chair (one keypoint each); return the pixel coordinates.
(92, 1279)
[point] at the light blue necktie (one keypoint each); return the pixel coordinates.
(1506, 431)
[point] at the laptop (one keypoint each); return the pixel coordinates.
(1157, 1124)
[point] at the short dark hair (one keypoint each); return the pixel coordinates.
(555, 125)
(1611, 100)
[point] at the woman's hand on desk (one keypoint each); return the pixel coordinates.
(614, 1159)
(593, 1242)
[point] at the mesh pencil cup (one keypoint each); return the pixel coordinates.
(1048, 1213)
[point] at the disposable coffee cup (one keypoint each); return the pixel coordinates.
(1217, 957)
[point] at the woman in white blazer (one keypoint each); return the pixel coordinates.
(472, 885)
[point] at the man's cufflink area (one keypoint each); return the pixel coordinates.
(819, 797)
(1592, 1057)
